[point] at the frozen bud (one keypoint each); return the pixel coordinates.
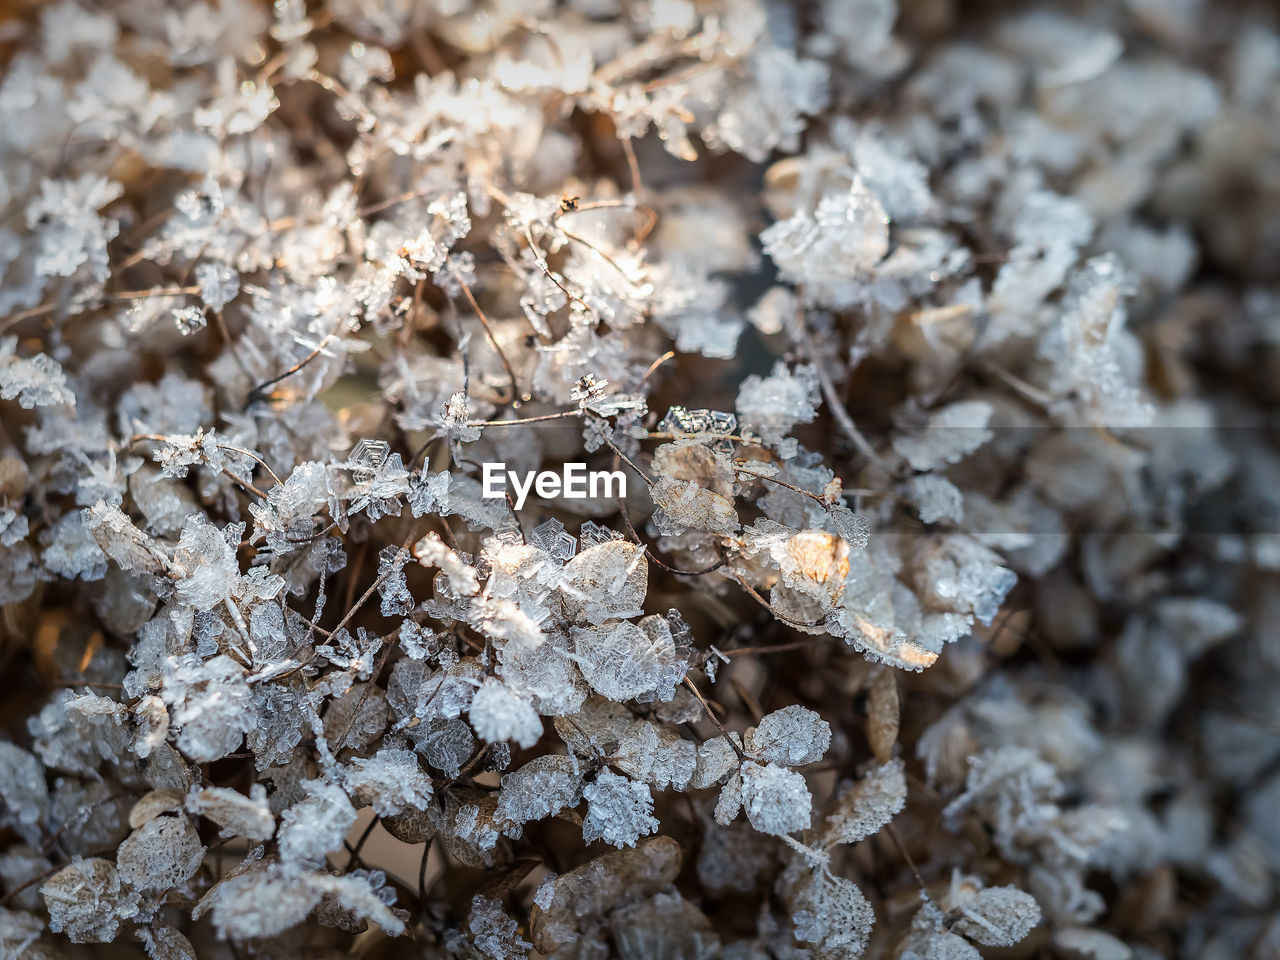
(189, 320)
(431, 552)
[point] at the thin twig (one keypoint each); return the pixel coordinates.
(91, 302)
(834, 402)
(768, 606)
(714, 719)
(563, 415)
(48, 873)
(493, 337)
(262, 387)
(355, 851)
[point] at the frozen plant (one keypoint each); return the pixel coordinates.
(935, 344)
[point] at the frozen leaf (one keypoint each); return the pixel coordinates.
(87, 900)
(841, 241)
(444, 744)
(831, 913)
(946, 436)
(208, 703)
(1081, 943)
(154, 804)
(595, 888)
(131, 549)
(260, 903)
(685, 504)
(355, 894)
(541, 788)
(666, 925)
(164, 852)
(493, 932)
(205, 565)
(935, 498)
(604, 582)
(861, 810)
(623, 661)
(996, 916)
(716, 759)
(773, 405)
(236, 814)
(219, 284)
(23, 790)
(790, 737)
(777, 800)
(619, 810)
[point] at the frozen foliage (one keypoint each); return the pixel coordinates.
(935, 343)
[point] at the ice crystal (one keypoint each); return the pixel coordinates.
(35, 382)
